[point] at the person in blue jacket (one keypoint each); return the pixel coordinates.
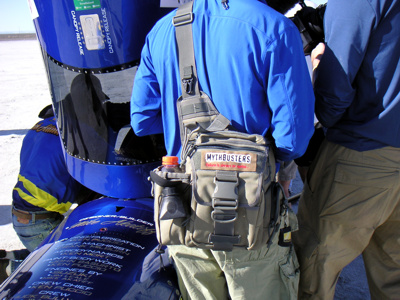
(250, 62)
(351, 202)
(45, 190)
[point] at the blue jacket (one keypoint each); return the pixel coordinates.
(357, 85)
(249, 61)
(43, 181)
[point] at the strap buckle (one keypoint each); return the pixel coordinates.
(225, 199)
(188, 79)
(182, 19)
(188, 85)
(225, 204)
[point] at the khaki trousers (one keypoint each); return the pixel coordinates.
(267, 273)
(350, 206)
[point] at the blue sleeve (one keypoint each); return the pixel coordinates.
(44, 181)
(146, 98)
(290, 95)
(347, 26)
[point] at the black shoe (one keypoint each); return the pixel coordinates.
(20, 254)
(14, 254)
(3, 266)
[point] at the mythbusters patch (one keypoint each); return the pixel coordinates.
(228, 160)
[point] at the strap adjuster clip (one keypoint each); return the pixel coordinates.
(188, 84)
(188, 79)
(182, 19)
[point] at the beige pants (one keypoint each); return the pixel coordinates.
(268, 273)
(350, 206)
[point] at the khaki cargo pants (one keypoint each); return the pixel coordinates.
(350, 206)
(267, 273)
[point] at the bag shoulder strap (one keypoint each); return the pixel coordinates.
(194, 107)
(184, 39)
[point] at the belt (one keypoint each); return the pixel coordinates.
(26, 215)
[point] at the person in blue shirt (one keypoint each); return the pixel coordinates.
(250, 62)
(45, 190)
(351, 204)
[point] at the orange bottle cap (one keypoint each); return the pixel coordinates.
(170, 160)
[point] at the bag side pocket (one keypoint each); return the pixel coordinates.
(170, 231)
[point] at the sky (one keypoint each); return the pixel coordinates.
(15, 16)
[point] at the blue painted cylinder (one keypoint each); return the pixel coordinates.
(91, 49)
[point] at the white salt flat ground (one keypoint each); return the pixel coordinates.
(23, 93)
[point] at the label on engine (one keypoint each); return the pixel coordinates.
(94, 39)
(86, 4)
